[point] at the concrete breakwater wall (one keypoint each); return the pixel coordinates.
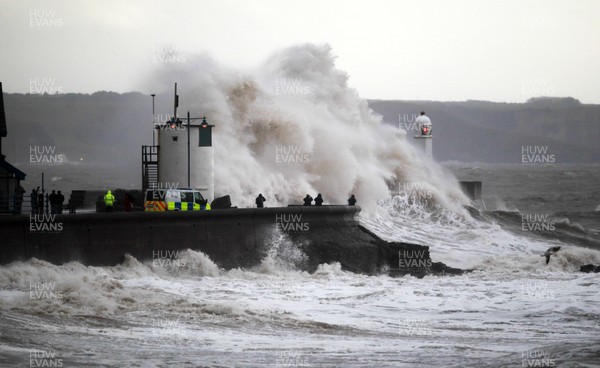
(231, 238)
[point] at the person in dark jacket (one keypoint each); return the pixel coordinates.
(60, 200)
(40, 202)
(319, 200)
(351, 200)
(260, 200)
(308, 200)
(34, 204)
(128, 203)
(53, 202)
(19, 191)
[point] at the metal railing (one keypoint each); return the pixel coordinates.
(149, 166)
(17, 205)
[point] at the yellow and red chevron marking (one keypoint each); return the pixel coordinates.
(155, 206)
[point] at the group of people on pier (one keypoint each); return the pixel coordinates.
(308, 200)
(43, 203)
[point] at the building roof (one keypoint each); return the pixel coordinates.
(3, 131)
(11, 169)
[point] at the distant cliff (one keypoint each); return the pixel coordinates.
(101, 127)
(102, 133)
(98, 136)
(495, 132)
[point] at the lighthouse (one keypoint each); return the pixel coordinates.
(424, 140)
(186, 157)
(183, 157)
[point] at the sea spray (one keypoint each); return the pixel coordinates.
(343, 147)
(282, 254)
(182, 262)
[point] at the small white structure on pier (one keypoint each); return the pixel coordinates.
(424, 139)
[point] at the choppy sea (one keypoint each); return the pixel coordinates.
(513, 310)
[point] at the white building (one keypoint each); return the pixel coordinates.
(186, 157)
(424, 139)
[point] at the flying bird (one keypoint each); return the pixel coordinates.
(550, 252)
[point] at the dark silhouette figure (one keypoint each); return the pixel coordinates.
(19, 192)
(351, 200)
(40, 201)
(34, 201)
(128, 203)
(60, 200)
(318, 200)
(53, 202)
(260, 200)
(308, 200)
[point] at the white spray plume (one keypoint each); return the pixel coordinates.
(298, 107)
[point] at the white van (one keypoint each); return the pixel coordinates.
(175, 200)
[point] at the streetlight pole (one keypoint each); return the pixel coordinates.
(153, 119)
(188, 127)
(188, 148)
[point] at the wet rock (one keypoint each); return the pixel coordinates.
(589, 268)
(359, 250)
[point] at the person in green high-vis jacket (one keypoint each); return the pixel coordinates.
(109, 200)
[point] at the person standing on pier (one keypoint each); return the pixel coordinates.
(351, 200)
(319, 200)
(53, 202)
(19, 191)
(40, 202)
(308, 200)
(128, 204)
(60, 200)
(34, 205)
(260, 200)
(109, 200)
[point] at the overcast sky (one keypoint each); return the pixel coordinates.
(435, 50)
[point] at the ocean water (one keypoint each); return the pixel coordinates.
(512, 310)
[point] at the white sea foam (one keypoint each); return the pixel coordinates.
(468, 243)
(201, 312)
